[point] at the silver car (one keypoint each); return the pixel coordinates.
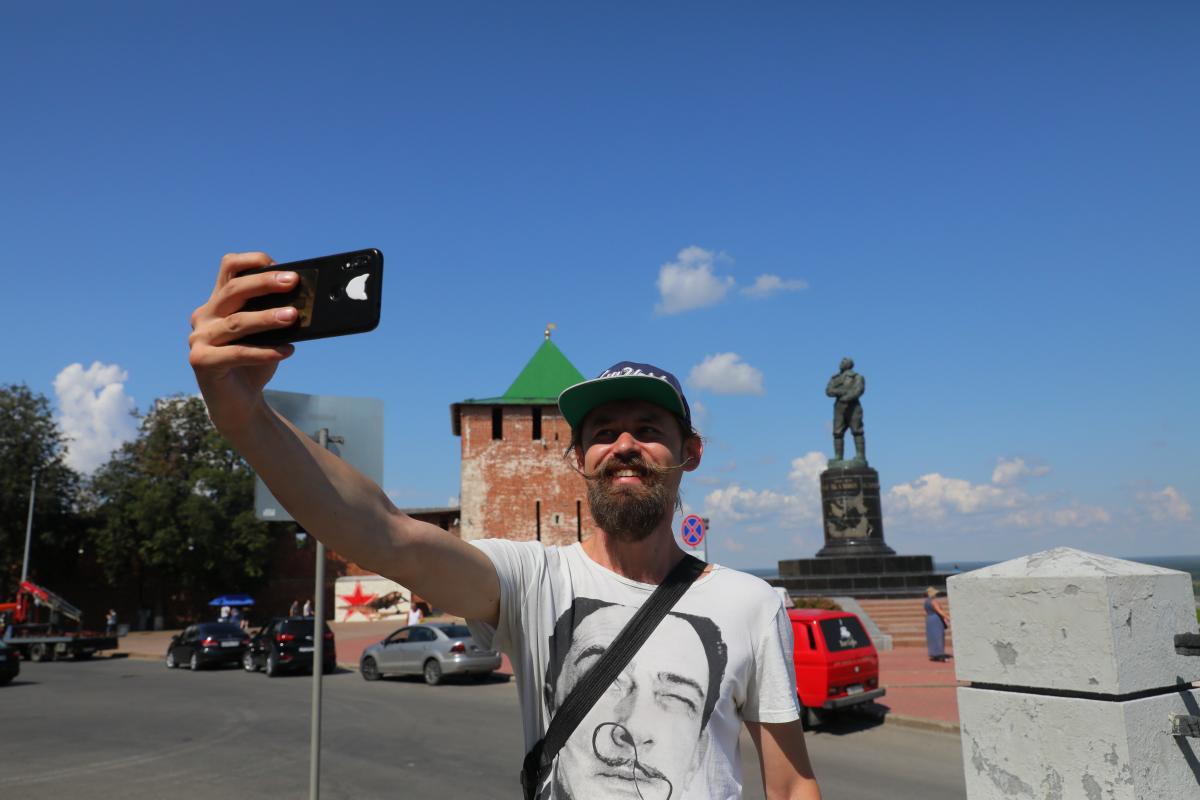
(433, 651)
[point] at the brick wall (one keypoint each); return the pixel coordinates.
(509, 484)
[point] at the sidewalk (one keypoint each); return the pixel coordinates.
(920, 692)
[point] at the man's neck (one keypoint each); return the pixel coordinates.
(646, 561)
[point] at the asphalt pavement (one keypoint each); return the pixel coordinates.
(920, 693)
(131, 728)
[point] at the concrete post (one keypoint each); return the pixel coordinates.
(1076, 688)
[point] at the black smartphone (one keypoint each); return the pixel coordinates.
(336, 295)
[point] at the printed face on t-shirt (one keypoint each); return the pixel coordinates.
(640, 739)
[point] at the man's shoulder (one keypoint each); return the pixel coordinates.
(744, 586)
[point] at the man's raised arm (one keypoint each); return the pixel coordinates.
(328, 497)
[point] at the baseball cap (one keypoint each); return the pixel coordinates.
(626, 380)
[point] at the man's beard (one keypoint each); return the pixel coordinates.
(629, 513)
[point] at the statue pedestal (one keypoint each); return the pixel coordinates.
(851, 512)
(855, 561)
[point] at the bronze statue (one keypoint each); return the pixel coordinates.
(847, 386)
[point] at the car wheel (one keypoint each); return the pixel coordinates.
(369, 669)
(433, 672)
(5, 679)
(39, 652)
(171, 660)
(248, 662)
(272, 669)
(194, 664)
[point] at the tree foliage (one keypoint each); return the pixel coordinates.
(174, 508)
(31, 439)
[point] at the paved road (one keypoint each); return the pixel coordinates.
(133, 729)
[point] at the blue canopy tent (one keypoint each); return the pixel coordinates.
(232, 600)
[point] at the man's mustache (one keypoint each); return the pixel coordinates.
(609, 469)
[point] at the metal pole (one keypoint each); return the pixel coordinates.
(314, 754)
(29, 527)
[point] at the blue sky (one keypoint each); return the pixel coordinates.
(991, 207)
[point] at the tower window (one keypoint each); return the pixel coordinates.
(537, 424)
(497, 422)
(537, 513)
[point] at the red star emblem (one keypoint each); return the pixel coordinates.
(358, 601)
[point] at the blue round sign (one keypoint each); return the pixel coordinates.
(693, 530)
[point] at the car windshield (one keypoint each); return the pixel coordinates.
(220, 629)
(456, 631)
(843, 633)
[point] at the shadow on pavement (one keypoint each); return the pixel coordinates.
(851, 720)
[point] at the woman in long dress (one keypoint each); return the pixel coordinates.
(936, 623)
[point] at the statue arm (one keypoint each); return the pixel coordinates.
(857, 386)
(834, 387)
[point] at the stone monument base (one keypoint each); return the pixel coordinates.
(872, 576)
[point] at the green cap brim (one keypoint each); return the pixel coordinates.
(576, 401)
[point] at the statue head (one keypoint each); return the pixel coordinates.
(847, 363)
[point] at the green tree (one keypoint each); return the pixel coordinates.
(174, 510)
(31, 439)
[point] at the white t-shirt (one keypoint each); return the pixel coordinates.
(668, 726)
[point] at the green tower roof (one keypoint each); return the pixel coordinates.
(539, 383)
(544, 377)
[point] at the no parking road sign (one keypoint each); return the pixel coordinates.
(693, 530)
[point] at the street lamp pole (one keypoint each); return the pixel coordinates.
(29, 527)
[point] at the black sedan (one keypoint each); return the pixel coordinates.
(286, 644)
(206, 644)
(10, 663)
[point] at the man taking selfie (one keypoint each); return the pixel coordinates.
(667, 726)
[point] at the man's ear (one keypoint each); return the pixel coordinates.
(693, 449)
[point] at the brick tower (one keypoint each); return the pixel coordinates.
(516, 484)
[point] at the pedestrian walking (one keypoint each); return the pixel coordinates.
(308, 608)
(110, 622)
(414, 613)
(936, 623)
(719, 660)
(294, 609)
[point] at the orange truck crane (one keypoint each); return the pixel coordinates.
(44, 626)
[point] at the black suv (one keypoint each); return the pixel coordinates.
(285, 644)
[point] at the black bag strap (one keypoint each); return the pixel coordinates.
(589, 689)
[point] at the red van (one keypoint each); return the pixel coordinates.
(836, 663)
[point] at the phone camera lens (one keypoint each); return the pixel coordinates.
(335, 295)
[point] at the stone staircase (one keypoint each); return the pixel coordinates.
(903, 620)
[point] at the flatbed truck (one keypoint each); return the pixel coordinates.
(43, 626)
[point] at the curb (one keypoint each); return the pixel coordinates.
(919, 723)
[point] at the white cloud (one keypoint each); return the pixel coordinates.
(94, 412)
(1075, 516)
(806, 478)
(932, 495)
(767, 285)
(1167, 505)
(735, 503)
(730, 543)
(1009, 472)
(726, 373)
(689, 282)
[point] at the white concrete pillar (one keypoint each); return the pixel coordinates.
(1076, 685)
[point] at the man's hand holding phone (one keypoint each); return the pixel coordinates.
(232, 375)
(258, 308)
